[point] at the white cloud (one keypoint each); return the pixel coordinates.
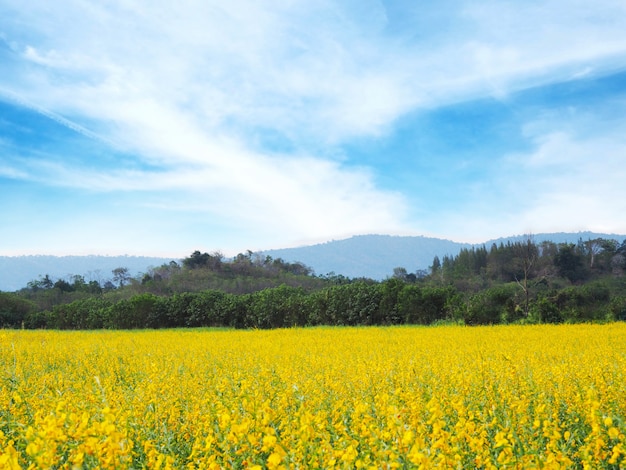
(570, 181)
(184, 86)
(579, 180)
(309, 70)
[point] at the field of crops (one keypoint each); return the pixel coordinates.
(403, 397)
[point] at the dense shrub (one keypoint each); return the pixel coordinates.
(617, 309)
(90, 313)
(350, 303)
(14, 310)
(425, 305)
(277, 307)
(545, 310)
(584, 303)
(491, 306)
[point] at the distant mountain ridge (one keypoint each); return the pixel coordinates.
(17, 271)
(372, 256)
(375, 256)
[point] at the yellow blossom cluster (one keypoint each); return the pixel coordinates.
(545, 397)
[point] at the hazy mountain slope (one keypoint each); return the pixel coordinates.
(376, 256)
(372, 256)
(17, 271)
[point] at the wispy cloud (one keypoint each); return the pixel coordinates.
(200, 92)
(307, 71)
(10, 96)
(578, 180)
(571, 180)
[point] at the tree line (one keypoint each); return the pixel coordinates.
(517, 282)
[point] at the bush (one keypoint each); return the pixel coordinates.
(357, 303)
(206, 309)
(617, 309)
(135, 312)
(584, 303)
(491, 306)
(276, 307)
(546, 311)
(87, 314)
(425, 305)
(14, 310)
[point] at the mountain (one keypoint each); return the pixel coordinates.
(375, 256)
(372, 256)
(17, 271)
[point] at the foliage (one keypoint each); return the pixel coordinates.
(14, 310)
(90, 313)
(519, 282)
(492, 306)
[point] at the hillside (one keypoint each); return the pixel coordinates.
(372, 256)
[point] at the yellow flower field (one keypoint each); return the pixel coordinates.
(403, 397)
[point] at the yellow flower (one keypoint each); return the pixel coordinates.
(445, 397)
(274, 460)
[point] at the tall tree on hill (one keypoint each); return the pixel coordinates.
(526, 254)
(569, 263)
(594, 247)
(435, 269)
(196, 260)
(121, 276)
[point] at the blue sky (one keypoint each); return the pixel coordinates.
(128, 129)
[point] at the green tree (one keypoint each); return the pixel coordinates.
(121, 276)
(14, 310)
(435, 269)
(390, 293)
(526, 255)
(569, 263)
(277, 307)
(207, 309)
(355, 303)
(400, 273)
(64, 286)
(491, 306)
